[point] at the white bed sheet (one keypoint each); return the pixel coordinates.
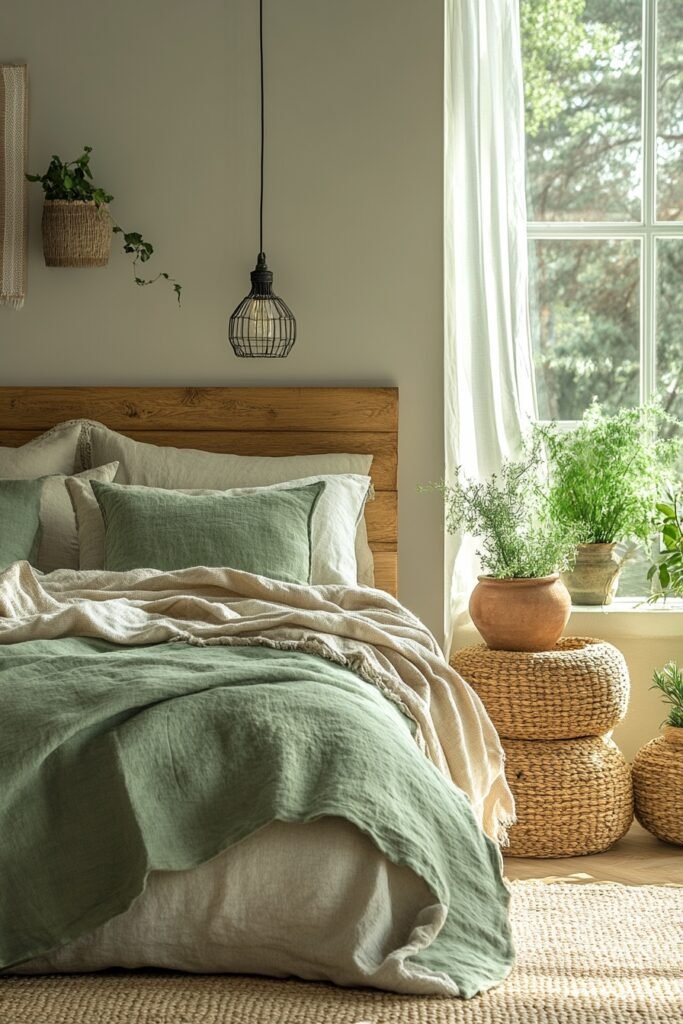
(316, 901)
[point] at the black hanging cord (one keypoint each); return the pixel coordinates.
(263, 114)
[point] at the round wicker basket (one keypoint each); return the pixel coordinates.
(573, 797)
(76, 234)
(578, 689)
(658, 786)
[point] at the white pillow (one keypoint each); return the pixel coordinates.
(52, 452)
(58, 547)
(188, 469)
(333, 527)
(154, 465)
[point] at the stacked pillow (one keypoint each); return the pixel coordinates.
(338, 540)
(297, 518)
(36, 516)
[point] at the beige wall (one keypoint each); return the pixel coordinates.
(648, 639)
(166, 92)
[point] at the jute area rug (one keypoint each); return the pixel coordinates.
(587, 954)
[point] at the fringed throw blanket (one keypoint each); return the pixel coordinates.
(13, 218)
(364, 630)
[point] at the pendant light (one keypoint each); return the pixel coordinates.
(263, 325)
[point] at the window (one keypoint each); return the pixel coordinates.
(604, 116)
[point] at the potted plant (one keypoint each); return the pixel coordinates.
(77, 226)
(519, 603)
(658, 766)
(605, 478)
(668, 569)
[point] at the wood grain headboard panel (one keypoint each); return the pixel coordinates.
(246, 421)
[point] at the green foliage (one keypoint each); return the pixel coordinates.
(668, 570)
(135, 245)
(557, 47)
(606, 474)
(582, 71)
(510, 516)
(72, 181)
(670, 683)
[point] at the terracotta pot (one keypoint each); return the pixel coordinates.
(658, 785)
(595, 576)
(520, 614)
(76, 234)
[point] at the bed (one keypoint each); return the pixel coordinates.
(228, 769)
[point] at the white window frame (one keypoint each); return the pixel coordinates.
(648, 230)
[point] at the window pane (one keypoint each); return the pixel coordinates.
(670, 324)
(670, 110)
(582, 78)
(585, 324)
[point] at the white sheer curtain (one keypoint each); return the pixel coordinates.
(489, 387)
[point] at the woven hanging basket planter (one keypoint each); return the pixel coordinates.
(580, 688)
(76, 234)
(573, 797)
(658, 786)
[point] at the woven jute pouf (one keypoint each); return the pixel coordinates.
(580, 688)
(573, 797)
(658, 786)
(76, 234)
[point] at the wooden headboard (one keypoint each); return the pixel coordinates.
(246, 421)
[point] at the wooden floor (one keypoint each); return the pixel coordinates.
(637, 859)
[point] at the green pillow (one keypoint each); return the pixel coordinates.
(19, 520)
(268, 533)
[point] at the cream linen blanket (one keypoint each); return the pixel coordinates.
(365, 630)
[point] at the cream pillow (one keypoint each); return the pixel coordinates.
(58, 548)
(154, 465)
(52, 452)
(333, 526)
(188, 469)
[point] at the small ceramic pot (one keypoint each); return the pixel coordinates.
(595, 576)
(658, 785)
(520, 614)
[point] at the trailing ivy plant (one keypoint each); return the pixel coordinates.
(510, 515)
(670, 683)
(72, 181)
(668, 569)
(607, 473)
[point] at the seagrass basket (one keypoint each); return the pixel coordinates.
(658, 786)
(580, 688)
(76, 234)
(573, 797)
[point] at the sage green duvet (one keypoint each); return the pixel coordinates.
(119, 760)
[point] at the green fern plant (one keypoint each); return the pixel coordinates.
(607, 473)
(669, 681)
(71, 180)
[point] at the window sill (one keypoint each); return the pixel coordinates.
(630, 617)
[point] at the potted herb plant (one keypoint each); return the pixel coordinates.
(668, 570)
(605, 478)
(77, 226)
(519, 603)
(658, 766)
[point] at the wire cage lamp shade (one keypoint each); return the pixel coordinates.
(263, 325)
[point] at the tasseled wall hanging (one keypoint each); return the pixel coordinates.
(13, 213)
